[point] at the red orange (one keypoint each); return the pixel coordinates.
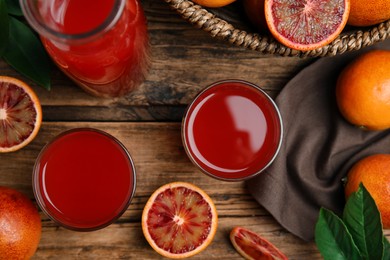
(367, 13)
(20, 114)
(20, 225)
(179, 220)
(306, 24)
(363, 91)
(374, 172)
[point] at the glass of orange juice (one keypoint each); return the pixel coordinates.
(84, 179)
(102, 45)
(232, 130)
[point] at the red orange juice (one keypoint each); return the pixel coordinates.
(101, 44)
(232, 130)
(84, 179)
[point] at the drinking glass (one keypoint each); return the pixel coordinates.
(84, 179)
(232, 130)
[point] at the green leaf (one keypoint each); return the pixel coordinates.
(26, 54)
(14, 7)
(333, 239)
(4, 27)
(363, 220)
(386, 249)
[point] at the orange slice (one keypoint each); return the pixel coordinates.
(253, 247)
(306, 24)
(20, 114)
(179, 220)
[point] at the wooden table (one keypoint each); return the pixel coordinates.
(147, 121)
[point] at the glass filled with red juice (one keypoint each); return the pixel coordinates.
(84, 179)
(232, 130)
(102, 45)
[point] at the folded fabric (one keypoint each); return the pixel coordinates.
(319, 147)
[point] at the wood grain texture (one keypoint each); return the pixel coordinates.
(159, 158)
(184, 60)
(147, 121)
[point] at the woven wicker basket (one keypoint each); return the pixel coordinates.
(219, 24)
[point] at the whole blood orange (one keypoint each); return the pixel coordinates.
(20, 225)
(254, 9)
(366, 13)
(363, 90)
(306, 24)
(374, 172)
(253, 247)
(213, 3)
(179, 220)
(20, 114)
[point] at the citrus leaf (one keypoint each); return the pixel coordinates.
(4, 27)
(14, 7)
(386, 249)
(26, 54)
(363, 220)
(333, 238)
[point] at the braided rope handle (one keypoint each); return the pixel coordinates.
(216, 27)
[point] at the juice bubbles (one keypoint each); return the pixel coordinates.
(84, 179)
(101, 44)
(232, 130)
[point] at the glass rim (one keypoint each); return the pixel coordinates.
(184, 128)
(38, 24)
(39, 197)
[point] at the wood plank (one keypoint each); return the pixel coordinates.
(159, 157)
(119, 113)
(126, 241)
(184, 60)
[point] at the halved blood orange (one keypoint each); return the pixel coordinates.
(306, 24)
(253, 247)
(20, 114)
(179, 220)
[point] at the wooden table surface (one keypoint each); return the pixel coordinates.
(184, 60)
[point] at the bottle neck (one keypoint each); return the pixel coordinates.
(72, 20)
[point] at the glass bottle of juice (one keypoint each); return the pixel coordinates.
(102, 45)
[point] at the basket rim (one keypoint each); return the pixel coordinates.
(203, 19)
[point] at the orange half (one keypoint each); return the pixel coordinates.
(20, 114)
(306, 24)
(179, 220)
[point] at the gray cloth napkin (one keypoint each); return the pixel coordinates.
(318, 149)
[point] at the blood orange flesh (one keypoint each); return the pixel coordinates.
(179, 220)
(20, 114)
(306, 24)
(252, 246)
